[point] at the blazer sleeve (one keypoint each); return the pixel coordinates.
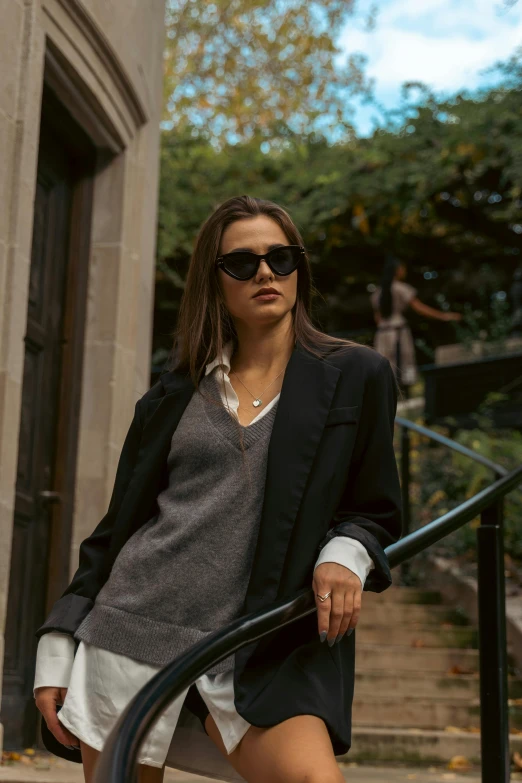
(370, 509)
(69, 611)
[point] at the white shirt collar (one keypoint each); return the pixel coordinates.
(222, 361)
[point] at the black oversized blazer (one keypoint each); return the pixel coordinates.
(331, 471)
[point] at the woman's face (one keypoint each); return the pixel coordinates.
(258, 234)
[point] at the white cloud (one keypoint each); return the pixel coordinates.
(449, 15)
(445, 43)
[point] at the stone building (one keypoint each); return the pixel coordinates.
(80, 106)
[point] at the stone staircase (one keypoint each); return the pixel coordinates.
(417, 686)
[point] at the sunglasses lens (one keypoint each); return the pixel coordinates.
(241, 265)
(284, 260)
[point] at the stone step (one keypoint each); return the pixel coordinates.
(425, 684)
(373, 613)
(416, 746)
(404, 595)
(361, 773)
(417, 676)
(376, 657)
(421, 713)
(418, 635)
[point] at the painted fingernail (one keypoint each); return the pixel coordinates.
(338, 638)
(323, 635)
(331, 642)
(349, 633)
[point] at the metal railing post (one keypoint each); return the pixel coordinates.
(405, 458)
(494, 720)
(405, 494)
(398, 354)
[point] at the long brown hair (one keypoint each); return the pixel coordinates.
(204, 324)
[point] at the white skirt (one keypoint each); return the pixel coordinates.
(385, 343)
(102, 684)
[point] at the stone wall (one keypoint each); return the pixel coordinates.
(104, 61)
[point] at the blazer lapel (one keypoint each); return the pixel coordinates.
(306, 394)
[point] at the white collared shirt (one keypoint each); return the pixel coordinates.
(221, 368)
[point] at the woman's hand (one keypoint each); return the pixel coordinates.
(47, 698)
(340, 612)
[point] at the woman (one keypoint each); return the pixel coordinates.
(261, 463)
(393, 338)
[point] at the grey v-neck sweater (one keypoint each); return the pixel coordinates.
(184, 574)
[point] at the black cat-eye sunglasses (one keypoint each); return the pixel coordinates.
(243, 265)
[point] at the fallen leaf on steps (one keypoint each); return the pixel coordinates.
(515, 702)
(517, 759)
(459, 670)
(10, 756)
(460, 729)
(460, 763)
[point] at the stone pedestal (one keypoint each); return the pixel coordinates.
(452, 354)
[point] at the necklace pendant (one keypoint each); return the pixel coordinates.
(256, 403)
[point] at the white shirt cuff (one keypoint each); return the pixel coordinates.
(54, 660)
(349, 553)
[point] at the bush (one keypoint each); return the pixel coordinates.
(442, 479)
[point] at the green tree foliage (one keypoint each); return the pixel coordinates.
(440, 185)
(442, 480)
(237, 69)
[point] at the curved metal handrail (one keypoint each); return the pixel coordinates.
(435, 531)
(118, 760)
(499, 470)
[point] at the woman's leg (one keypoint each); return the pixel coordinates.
(298, 750)
(90, 757)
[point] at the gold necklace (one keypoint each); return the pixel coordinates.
(257, 400)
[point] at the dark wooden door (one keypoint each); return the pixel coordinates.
(49, 415)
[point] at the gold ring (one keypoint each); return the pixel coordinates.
(324, 597)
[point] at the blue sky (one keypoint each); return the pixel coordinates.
(444, 43)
